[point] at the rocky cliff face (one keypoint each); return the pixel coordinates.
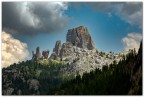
(79, 52)
(53, 56)
(81, 60)
(80, 37)
(38, 54)
(45, 54)
(67, 50)
(57, 47)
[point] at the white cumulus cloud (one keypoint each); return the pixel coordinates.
(132, 40)
(13, 50)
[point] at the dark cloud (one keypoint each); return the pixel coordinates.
(34, 17)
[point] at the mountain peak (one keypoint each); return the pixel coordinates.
(80, 37)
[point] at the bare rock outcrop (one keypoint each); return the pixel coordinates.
(67, 50)
(57, 48)
(33, 86)
(38, 54)
(77, 37)
(45, 54)
(80, 37)
(53, 56)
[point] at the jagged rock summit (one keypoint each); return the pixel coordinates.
(76, 37)
(57, 47)
(80, 37)
(79, 52)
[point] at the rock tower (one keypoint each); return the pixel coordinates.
(80, 37)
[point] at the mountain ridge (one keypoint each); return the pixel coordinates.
(80, 53)
(68, 60)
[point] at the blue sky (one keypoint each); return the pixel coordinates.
(109, 24)
(106, 31)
